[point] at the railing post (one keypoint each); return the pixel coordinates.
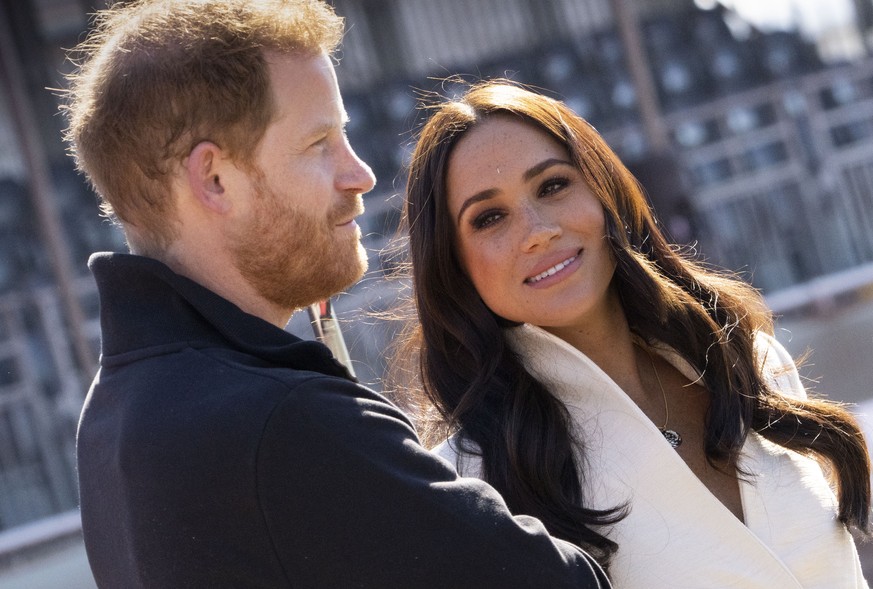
(35, 161)
(641, 73)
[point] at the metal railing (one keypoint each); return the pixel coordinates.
(782, 177)
(41, 394)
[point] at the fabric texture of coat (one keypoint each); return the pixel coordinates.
(677, 534)
(217, 450)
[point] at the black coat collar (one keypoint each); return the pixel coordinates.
(144, 304)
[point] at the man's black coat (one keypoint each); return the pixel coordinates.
(217, 450)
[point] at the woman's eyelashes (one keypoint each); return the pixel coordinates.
(485, 219)
(550, 187)
(553, 185)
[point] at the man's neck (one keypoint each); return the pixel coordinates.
(220, 275)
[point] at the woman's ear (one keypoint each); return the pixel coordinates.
(206, 165)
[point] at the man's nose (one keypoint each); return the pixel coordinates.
(355, 175)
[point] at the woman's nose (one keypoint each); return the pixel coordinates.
(540, 228)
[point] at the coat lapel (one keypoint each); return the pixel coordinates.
(677, 533)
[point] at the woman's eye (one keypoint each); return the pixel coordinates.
(553, 185)
(486, 219)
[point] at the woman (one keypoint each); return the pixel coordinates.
(630, 398)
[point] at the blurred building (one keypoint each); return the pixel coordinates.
(769, 143)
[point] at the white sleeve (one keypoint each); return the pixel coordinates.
(464, 456)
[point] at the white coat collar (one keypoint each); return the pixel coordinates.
(678, 534)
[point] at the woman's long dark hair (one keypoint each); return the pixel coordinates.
(477, 384)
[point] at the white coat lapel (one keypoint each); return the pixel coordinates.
(677, 534)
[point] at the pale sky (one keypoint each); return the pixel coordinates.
(811, 17)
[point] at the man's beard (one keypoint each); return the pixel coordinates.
(294, 259)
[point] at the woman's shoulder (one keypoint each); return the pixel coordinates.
(463, 454)
(777, 366)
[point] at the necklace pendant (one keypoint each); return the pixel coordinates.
(672, 436)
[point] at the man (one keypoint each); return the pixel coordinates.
(216, 449)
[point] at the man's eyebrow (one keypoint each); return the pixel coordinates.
(528, 175)
(327, 126)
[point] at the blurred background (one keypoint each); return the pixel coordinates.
(749, 123)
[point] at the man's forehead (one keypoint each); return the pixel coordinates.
(304, 87)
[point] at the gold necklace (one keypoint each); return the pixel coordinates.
(671, 435)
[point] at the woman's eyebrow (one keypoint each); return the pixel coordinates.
(528, 175)
(539, 168)
(479, 196)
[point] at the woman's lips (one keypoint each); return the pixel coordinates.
(554, 270)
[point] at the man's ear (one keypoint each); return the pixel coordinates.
(206, 166)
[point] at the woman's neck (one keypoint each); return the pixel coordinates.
(605, 337)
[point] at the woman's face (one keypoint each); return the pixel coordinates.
(530, 233)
